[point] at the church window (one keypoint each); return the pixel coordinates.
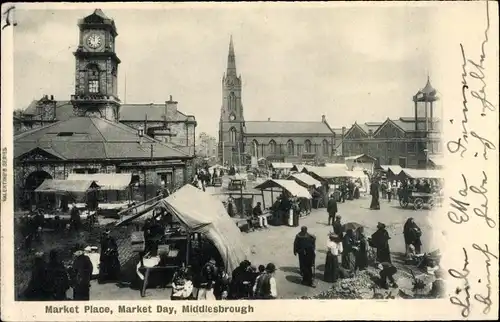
(290, 147)
(93, 79)
(326, 148)
(232, 135)
(272, 147)
(255, 148)
(232, 101)
(308, 146)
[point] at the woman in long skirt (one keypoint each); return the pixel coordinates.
(333, 250)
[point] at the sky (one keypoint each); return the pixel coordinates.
(349, 63)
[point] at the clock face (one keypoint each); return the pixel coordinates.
(232, 117)
(94, 41)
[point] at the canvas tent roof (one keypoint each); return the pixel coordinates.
(420, 173)
(360, 156)
(396, 169)
(291, 186)
(306, 179)
(107, 181)
(437, 160)
(66, 186)
(203, 213)
(329, 172)
(281, 165)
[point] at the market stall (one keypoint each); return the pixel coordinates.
(62, 195)
(198, 213)
(115, 187)
(290, 190)
(361, 162)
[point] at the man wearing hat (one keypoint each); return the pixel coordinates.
(265, 288)
(82, 273)
(332, 209)
(305, 246)
(109, 266)
(337, 226)
(380, 240)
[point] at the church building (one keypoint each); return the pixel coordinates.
(275, 141)
(94, 132)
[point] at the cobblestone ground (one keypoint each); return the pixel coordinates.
(272, 245)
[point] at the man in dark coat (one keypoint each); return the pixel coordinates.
(109, 266)
(57, 276)
(332, 209)
(374, 187)
(238, 276)
(82, 274)
(338, 228)
(305, 246)
(380, 240)
(412, 234)
(75, 220)
(38, 289)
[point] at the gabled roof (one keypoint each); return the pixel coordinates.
(83, 138)
(355, 126)
(388, 121)
(286, 127)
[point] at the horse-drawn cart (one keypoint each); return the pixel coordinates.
(420, 200)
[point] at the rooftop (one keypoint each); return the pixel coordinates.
(84, 138)
(286, 127)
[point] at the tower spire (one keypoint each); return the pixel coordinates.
(231, 60)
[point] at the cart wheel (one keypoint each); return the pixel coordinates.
(418, 203)
(403, 203)
(431, 202)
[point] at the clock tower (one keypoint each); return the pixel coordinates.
(231, 124)
(96, 73)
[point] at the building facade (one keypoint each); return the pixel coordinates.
(94, 133)
(96, 93)
(410, 142)
(285, 141)
(206, 146)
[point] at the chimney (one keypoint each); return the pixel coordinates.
(269, 119)
(51, 97)
(323, 118)
(171, 109)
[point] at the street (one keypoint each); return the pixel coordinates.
(275, 245)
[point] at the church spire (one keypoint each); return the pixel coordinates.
(231, 60)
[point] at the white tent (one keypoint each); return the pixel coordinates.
(329, 172)
(361, 162)
(281, 165)
(306, 179)
(291, 186)
(107, 181)
(203, 213)
(422, 173)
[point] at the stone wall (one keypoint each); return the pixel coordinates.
(149, 179)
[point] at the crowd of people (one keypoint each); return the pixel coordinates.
(51, 280)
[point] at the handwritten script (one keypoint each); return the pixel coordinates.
(469, 203)
(473, 70)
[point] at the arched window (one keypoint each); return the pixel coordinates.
(326, 147)
(232, 135)
(290, 147)
(255, 148)
(272, 147)
(232, 101)
(307, 146)
(93, 79)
